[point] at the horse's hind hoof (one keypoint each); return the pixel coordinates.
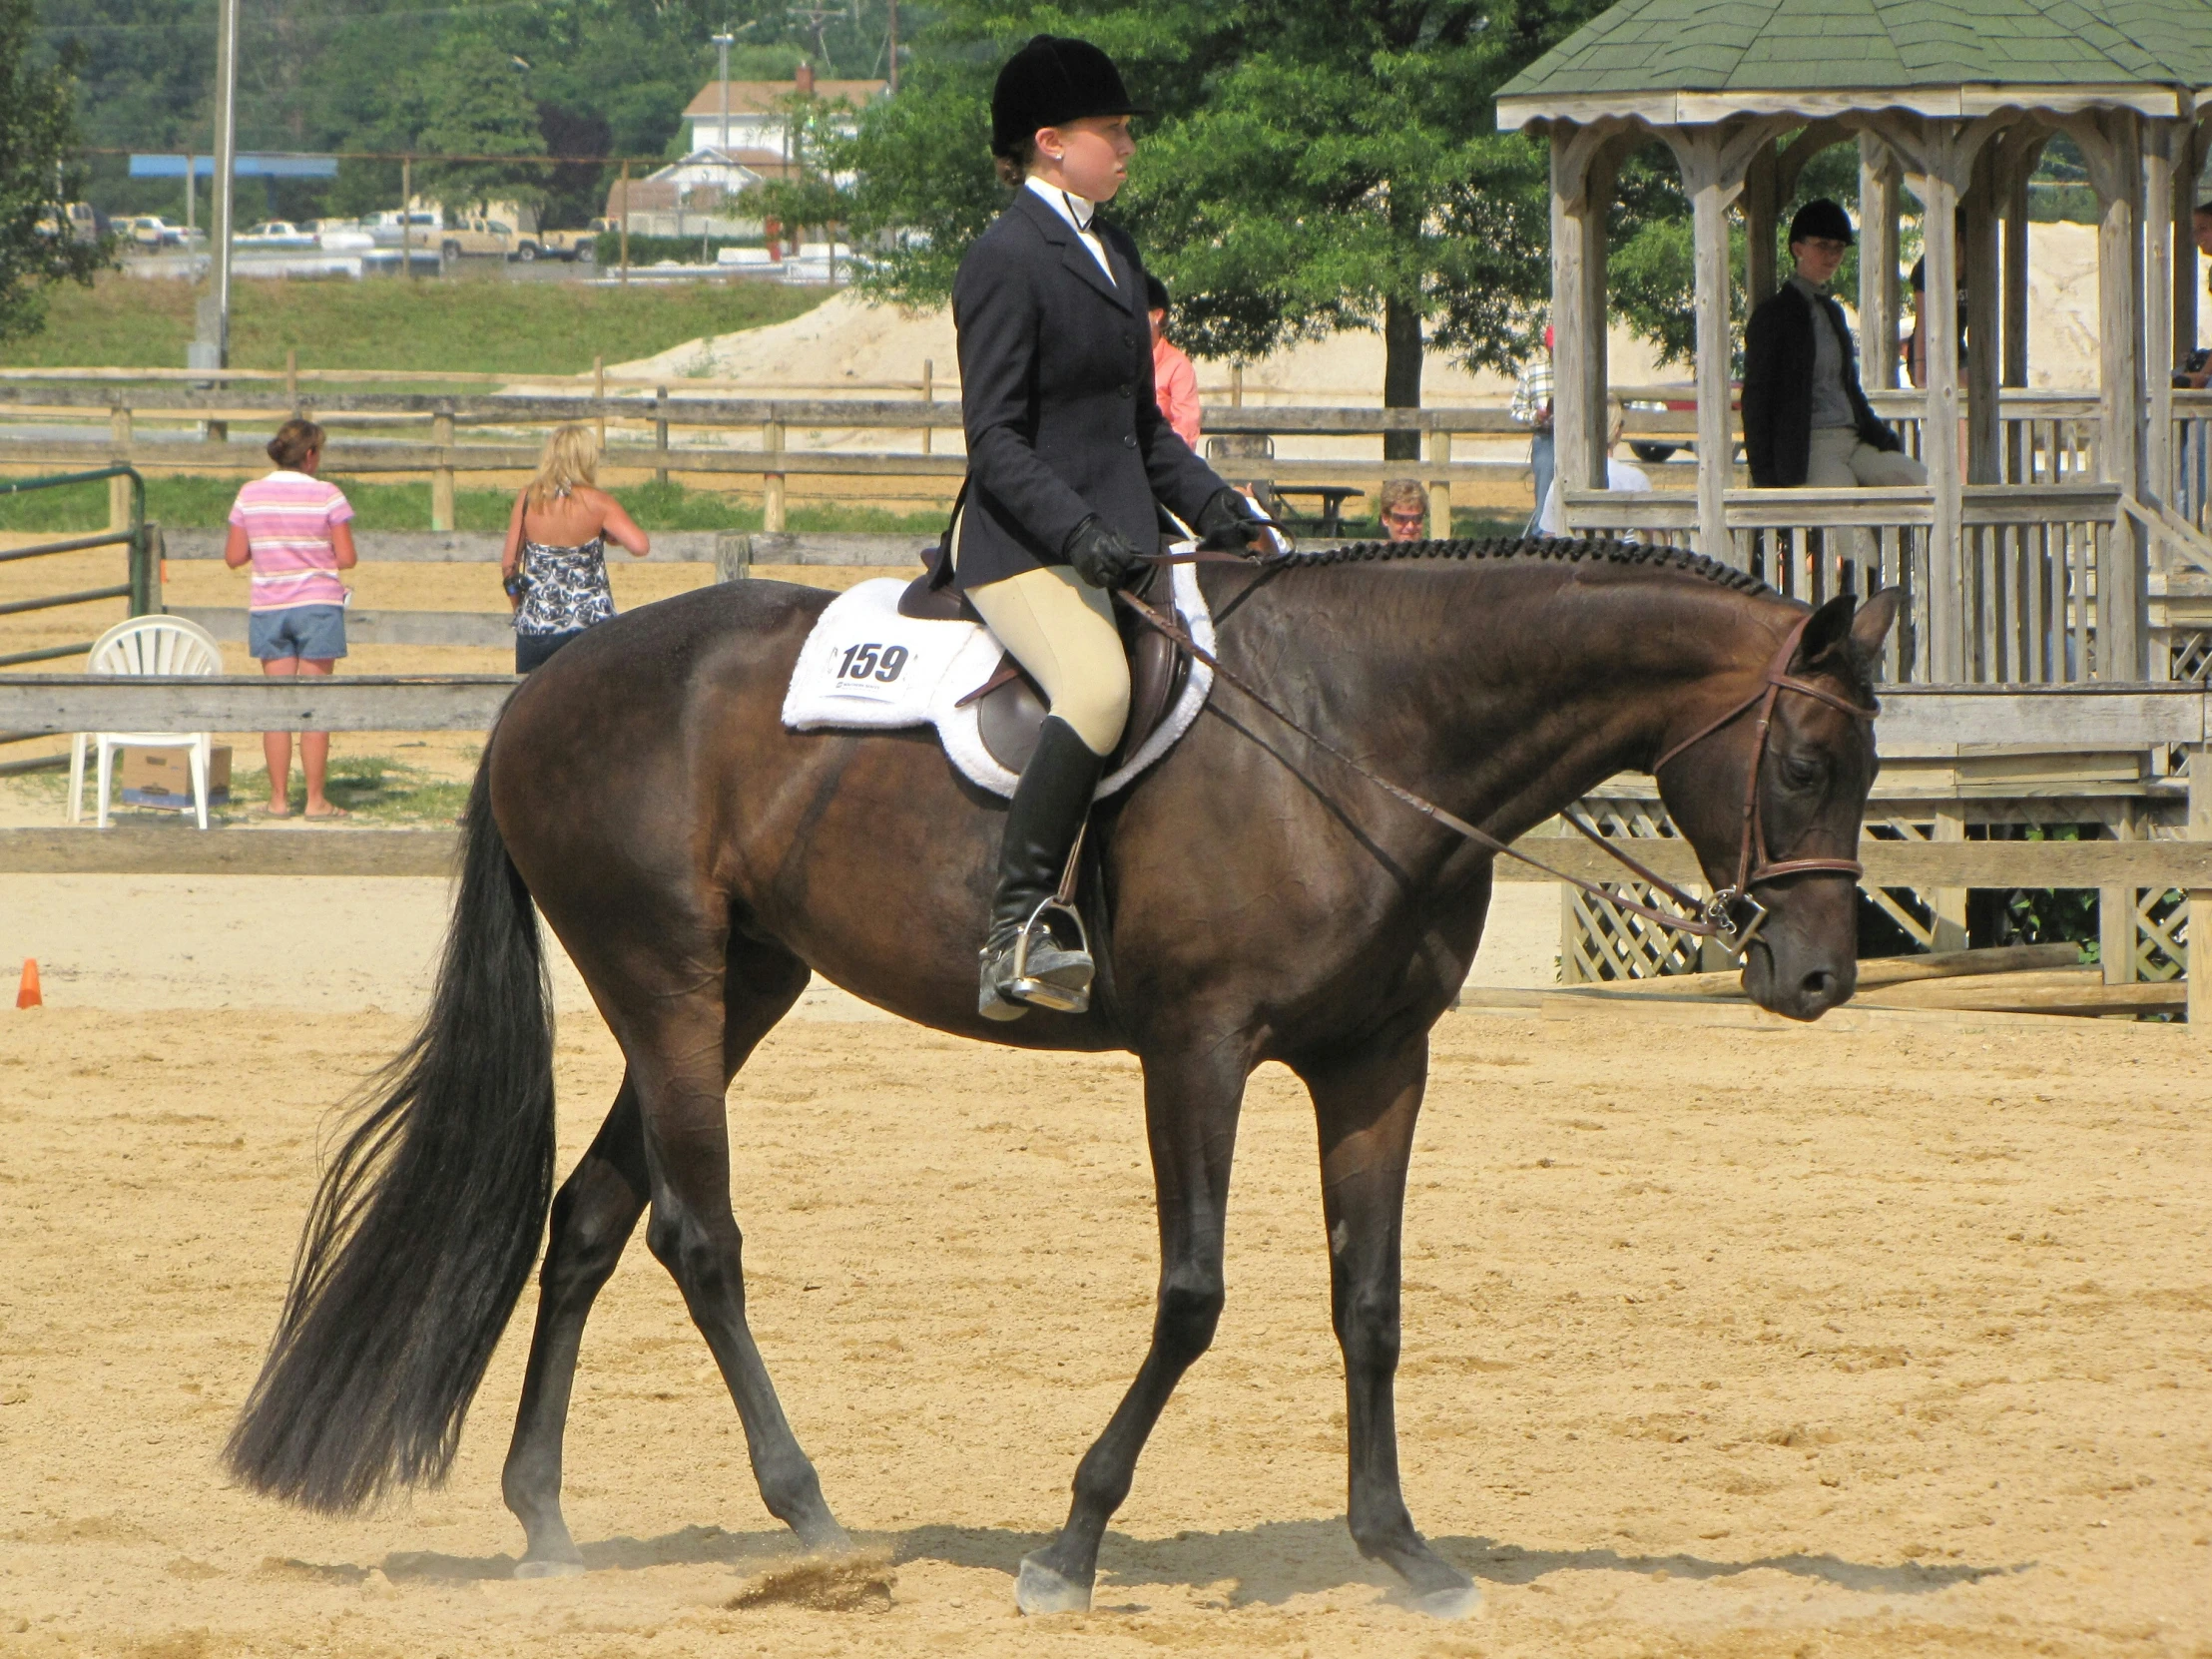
(1458, 1602)
(1039, 1590)
(546, 1567)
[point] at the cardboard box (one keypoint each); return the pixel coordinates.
(162, 778)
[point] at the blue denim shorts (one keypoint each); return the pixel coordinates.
(311, 631)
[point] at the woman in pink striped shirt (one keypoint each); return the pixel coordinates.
(295, 531)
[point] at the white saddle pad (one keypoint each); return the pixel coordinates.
(866, 667)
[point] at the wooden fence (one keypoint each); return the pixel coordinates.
(746, 438)
(1932, 726)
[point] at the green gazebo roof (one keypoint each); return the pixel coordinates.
(1643, 49)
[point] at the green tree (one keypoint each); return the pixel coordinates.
(476, 102)
(1312, 169)
(38, 141)
(808, 196)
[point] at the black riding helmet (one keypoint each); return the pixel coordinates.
(1823, 218)
(1051, 81)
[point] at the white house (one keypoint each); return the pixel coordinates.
(759, 122)
(698, 195)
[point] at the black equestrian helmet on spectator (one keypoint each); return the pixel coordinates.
(1050, 81)
(1155, 293)
(1823, 220)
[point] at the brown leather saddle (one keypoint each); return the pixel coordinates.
(1011, 707)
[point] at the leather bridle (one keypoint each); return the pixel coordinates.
(1731, 917)
(1734, 904)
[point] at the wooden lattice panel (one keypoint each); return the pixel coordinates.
(2162, 933)
(1599, 941)
(1914, 917)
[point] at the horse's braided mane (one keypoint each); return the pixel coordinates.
(1564, 549)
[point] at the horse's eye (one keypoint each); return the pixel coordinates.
(1803, 771)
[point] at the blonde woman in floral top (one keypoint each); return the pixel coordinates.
(554, 566)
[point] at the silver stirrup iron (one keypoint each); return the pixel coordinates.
(1044, 993)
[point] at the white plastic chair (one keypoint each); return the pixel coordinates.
(147, 644)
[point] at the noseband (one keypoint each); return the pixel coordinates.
(1734, 913)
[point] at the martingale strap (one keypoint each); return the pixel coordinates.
(1716, 918)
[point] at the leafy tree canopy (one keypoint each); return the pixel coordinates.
(1309, 167)
(474, 105)
(38, 174)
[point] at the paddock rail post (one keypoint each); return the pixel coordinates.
(772, 485)
(2116, 913)
(1949, 905)
(441, 476)
(1440, 493)
(119, 487)
(660, 435)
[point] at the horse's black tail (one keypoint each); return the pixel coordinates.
(427, 1222)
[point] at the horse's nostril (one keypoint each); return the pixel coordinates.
(1817, 984)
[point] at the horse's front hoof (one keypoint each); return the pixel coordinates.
(1039, 1590)
(546, 1566)
(1458, 1602)
(824, 1537)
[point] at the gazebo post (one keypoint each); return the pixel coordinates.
(2163, 140)
(1570, 320)
(1716, 449)
(1940, 422)
(1713, 160)
(2111, 146)
(1585, 160)
(1878, 181)
(2188, 163)
(1761, 208)
(2020, 155)
(1984, 428)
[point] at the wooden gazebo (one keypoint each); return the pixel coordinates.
(2027, 554)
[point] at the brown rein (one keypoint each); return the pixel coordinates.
(1731, 916)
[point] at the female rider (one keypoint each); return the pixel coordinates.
(1067, 456)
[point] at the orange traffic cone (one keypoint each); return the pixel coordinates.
(26, 995)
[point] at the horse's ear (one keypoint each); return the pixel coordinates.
(1828, 626)
(1872, 626)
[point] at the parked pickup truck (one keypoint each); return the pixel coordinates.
(567, 245)
(274, 234)
(476, 235)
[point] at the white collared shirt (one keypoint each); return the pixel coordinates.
(1077, 211)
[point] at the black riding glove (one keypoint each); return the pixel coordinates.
(1226, 523)
(1101, 554)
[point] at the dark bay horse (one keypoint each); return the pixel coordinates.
(1255, 900)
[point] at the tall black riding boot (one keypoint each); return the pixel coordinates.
(1032, 956)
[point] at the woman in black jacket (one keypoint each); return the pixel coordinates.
(1068, 455)
(1806, 420)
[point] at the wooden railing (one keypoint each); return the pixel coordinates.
(760, 441)
(2023, 612)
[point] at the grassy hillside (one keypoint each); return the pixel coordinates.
(479, 324)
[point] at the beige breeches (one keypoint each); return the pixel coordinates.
(1062, 629)
(1840, 460)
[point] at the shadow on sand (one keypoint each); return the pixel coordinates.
(1269, 1563)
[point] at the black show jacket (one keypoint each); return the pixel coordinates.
(1056, 396)
(1778, 387)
